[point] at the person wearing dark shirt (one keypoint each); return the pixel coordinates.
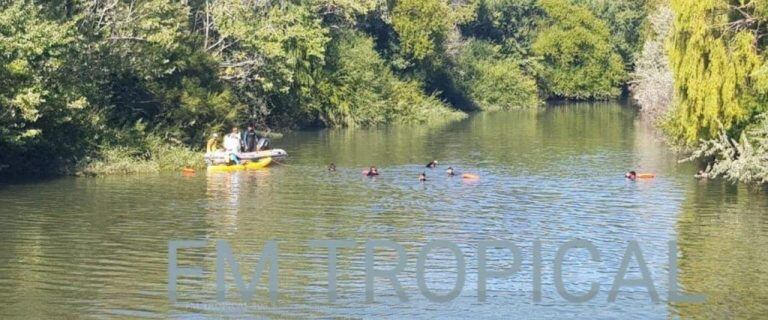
(372, 172)
(250, 139)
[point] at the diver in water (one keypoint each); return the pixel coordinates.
(450, 172)
(423, 177)
(432, 164)
(372, 172)
(332, 167)
(702, 175)
(631, 175)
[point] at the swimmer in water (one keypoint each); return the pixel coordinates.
(332, 167)
(702, 175)
(631, 175)
(423, 177)
(372, 172)
(450, 172)
(432, 164)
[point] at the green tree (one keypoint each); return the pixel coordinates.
(152, 74)
(718, 58)
(652, 82)
(493, 81)
(41, 112)
(513, 24)
(626, 20)
(717, 69)
(422, 26)
(276, 56)
(578, 59)
(362, 90)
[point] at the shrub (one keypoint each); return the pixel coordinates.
(744, 160)
(492, 81)
(652, 82)
(363, 91)
(151, 156)
(578, 60)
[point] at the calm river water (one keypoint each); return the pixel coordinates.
(98, 247)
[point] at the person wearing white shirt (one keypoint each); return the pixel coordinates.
(232, 143)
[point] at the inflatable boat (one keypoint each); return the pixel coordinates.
(251, 165)
(222, 157)
(275, 154)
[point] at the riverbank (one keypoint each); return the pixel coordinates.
(83, 85)
(117, 161)
(154, 156)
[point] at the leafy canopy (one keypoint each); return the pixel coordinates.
(577, 57)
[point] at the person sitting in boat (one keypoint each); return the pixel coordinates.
(213, 144)
(423, 177)
(250, 139)
(372, 172)
(432, 164)
(632, 175)
(450, 172)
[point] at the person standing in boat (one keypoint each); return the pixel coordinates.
(250, 139)
(233, 143)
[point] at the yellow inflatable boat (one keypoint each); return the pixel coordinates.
(261, 163)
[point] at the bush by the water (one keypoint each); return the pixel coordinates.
(578, 62)
(363, 91)
(652, 83)
(744, 159)
(492, 81)
(718, 58)
(151, 157)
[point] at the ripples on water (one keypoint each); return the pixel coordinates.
(98, 246)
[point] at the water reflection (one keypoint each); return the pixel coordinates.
(722, 234)
(77, 247)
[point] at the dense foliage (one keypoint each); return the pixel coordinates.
(87, 83)
(511, 24)
(493, 81)
(578, 59)
(626, 20)
(717, 70)
(362, 89)
(652, 83)
(718, 58)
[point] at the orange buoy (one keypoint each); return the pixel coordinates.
(470, 176)
(646, 176)
(188, 170)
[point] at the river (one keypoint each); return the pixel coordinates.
(98, 247)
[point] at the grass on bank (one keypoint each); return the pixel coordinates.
(153, 158)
